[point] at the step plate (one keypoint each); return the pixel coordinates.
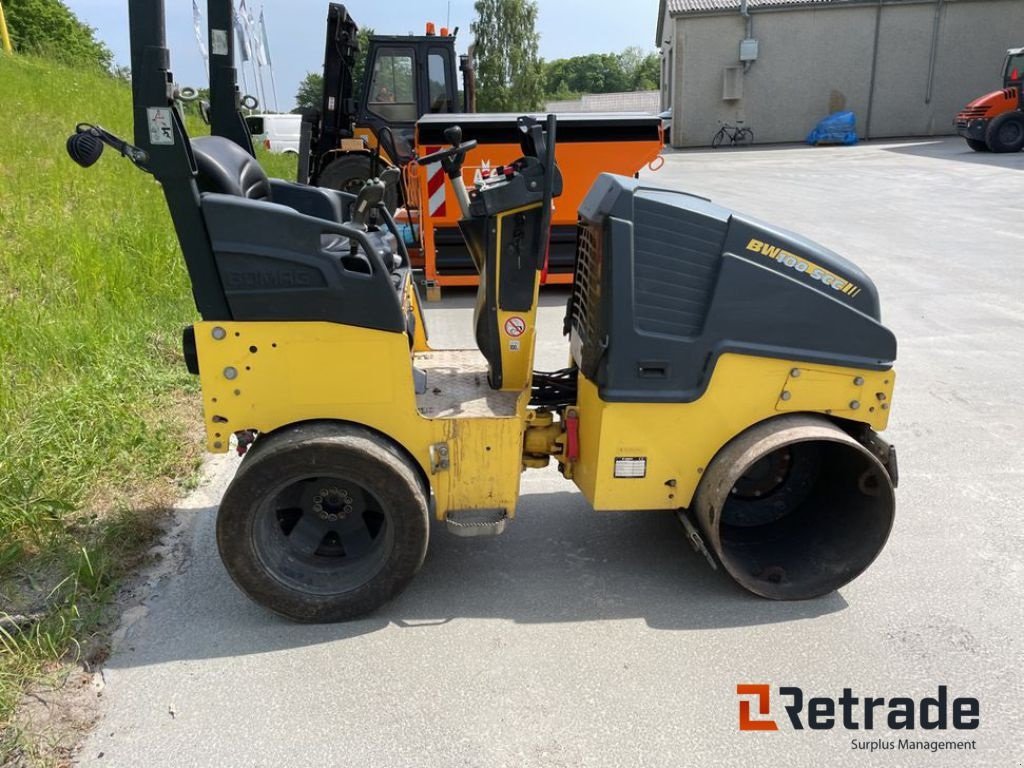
(476, 522)
(457, 387)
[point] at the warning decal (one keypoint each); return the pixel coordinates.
(631, 466)
(161, 125)
(515, 326)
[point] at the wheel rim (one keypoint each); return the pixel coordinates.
(1010, 132)
(322, 534)
(771, 488)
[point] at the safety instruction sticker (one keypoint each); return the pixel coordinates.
(161, 125)
(630, 466)
(515, 326)
(219, 42)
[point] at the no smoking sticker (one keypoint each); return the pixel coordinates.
(515, 326)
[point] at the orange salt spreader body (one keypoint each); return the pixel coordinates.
(588, 144)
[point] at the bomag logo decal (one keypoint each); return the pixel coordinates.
(802, 265)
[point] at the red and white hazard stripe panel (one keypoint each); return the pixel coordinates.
(435, 186)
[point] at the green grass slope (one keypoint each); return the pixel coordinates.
(95, 404)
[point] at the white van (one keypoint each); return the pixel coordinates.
(276, 133)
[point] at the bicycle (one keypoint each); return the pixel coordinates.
(738, 135)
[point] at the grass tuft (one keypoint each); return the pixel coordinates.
(96, 407)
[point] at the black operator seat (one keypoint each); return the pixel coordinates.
(226, 168)
(283, 251)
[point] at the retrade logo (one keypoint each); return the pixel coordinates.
(762, 697)
(822, 713)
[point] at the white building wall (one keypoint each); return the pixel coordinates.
(815, 61)
(629, 101)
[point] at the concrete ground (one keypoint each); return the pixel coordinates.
(579, 639)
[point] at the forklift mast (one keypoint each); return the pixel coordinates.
(338, 108)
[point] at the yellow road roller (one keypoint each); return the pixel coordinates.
(732, 373)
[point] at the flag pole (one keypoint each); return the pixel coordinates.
(273, 86)
(197, 24)
(245, 16)
(266, 54)
(242, 49)
(256, 82)
(245, 84)
(259, 64)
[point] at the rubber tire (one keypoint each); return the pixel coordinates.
(745, 137)
(716, 142)
(993, 139)
(977, 145)
(347, 173)
(381, 467)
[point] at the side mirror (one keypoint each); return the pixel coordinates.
(85, 146)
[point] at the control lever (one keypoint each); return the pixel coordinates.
(451, 160)
(85, 146)
(369, 197)
(390, 175)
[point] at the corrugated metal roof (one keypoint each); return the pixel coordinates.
(684, 7)
(675, 8)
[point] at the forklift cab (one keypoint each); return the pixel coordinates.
(405, 77)
(1013, 68)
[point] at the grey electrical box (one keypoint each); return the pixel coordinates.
(748, 49)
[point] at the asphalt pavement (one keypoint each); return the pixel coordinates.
(586, 639)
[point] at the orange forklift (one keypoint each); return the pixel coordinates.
(995, 122)
(363, 128)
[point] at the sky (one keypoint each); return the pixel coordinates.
(296, 30)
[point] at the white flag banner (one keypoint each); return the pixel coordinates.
(197, 24)
(265, 47)
(249, 25)
(244, 51)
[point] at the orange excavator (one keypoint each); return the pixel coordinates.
(995, 122)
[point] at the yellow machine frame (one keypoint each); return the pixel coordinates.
(267, 375)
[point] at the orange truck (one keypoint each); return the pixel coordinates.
(588, 144)
(995, 122)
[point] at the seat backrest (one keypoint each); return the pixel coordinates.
(226, 168)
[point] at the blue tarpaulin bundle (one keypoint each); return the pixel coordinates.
(837, 128)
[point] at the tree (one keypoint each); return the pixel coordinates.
(592, 73)
(508, 72)
(311, 89)
(359, 70)
(642, 71)
(48, 28)
(631, 70)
